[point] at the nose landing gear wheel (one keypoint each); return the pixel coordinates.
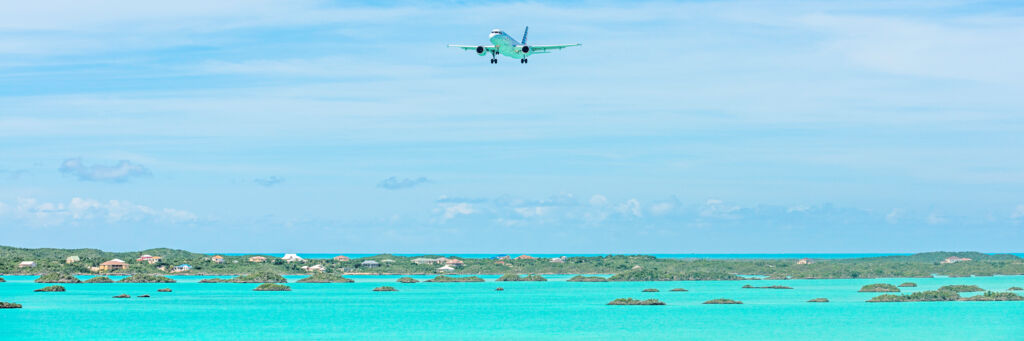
(494, 61)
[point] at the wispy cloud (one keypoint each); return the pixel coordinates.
(393, 183)
(268, 181)
(123, 171)
(37, 212)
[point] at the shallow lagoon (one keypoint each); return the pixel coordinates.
(524, 310)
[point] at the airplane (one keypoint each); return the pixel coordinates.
(506, 46)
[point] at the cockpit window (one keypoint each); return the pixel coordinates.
(496, 31)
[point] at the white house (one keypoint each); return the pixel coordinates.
(291, 257)
(445, 268)
(27, 264)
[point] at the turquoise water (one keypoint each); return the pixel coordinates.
(525, 310)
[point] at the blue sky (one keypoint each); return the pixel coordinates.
(677, 127)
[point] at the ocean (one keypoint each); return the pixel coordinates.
(552, 310)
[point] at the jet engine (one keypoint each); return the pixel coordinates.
(480, 50)
(526, 49)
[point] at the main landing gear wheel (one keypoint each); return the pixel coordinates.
(494, 61)
(524, 61)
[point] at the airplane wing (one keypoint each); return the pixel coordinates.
(547, 48)
(473, 47)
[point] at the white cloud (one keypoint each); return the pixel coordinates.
(77, 209)
(120, 172)
(454, 210)
(935, 219)
(894, 215)
(1018, 213)
(598, 200)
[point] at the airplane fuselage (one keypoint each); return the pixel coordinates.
(508, 47)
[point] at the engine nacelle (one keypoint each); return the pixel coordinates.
(526, 49)
(480, 50)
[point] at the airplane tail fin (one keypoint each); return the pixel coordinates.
(527, 30)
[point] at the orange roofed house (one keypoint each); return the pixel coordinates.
(113, 264)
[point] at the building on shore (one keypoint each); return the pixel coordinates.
(558, 259)
(955, 259)
(524, 257)
(72, 260)
(257, 259)
(341, 258)
(113, 265)
(425, 261)
(369, 264)
(181, 268)
(149, 259)
(446, 268)
(314, 268)
(455, 262)
(804, 261)
(27, 264)
(291, 257)
(217, 259)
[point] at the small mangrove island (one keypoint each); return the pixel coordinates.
(164, 290)
(123, 296)
(1015, 289)
(650, 290)
(9, 305)
(56, 277)
(632, 301)
(678, 289)
(962, 288)
(946, 295)
(52, 288)
(908, 285)
(449, 279)
(144, 278)
(748, 286)
(581, 278)
(648, 275)
(819, 300)
(517, 278)
(272, 287)
(99, 279)
(879, 287)
(385, 288)
(325, 278)
(259, 277)
(407, 280)
(722, 301)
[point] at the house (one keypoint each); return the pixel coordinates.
(637, 267)
(454, 262)
(804, 261)
(154, 259)
(143, 258)
(423, 261)
(314, 268)
(72, 259)
(369, 264)
(341, 258)
(524, 257)
(291, 257)
(504, 257)
(557, 260)
(257, 259)
(113, 264)
(181, 268)
(955, 259)
(27, 264)
(445, 268)
(217, 259)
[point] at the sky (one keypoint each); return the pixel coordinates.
(677, 127)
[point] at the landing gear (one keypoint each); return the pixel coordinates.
(494, 61)
(524, 61)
